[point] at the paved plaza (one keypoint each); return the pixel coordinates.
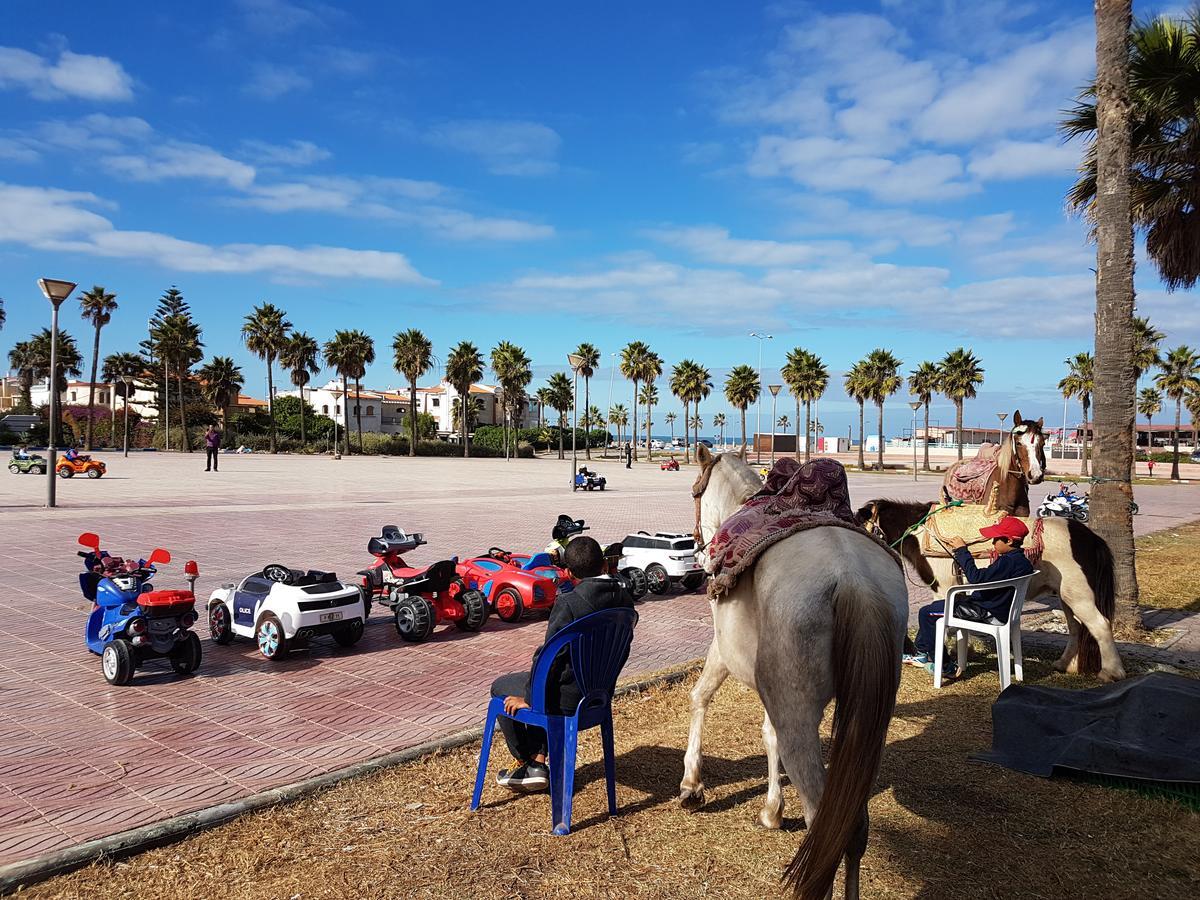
(79, 759)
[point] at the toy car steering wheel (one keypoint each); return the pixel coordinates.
(276, 572)
(498, 553)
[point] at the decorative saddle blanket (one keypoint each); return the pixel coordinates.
(968, 480)
(794, 498)
(965, 522)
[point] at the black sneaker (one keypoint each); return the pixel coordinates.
(530, 778)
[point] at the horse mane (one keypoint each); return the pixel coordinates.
(741, 469)
(1004, 456)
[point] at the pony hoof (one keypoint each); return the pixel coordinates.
(692, 799)
(1059, 665)
(770, 820)
(1109, 677)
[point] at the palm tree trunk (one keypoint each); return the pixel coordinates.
(464, 401)
(862, 413)
(1083, 455)
(345, 414)
(412, 418)
(1175, 440)
(880, 405)
(926, 436)
(958, 405)
(744, 431)
(562, 419)
(807, 428)
(587, 401)
(649, 427)
(358, 411)
(187, 443)
(87, 441)
(271, 401)
(303, 433)
(797, 454)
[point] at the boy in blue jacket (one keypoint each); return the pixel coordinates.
(1007, 536)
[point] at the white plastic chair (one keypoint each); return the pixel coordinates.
(1006, 635)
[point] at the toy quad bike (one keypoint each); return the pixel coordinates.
(80, 465)
(130, 622)
(27, 465)
(420, 598)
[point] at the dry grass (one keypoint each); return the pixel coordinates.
(941, 826)
(1166, 567)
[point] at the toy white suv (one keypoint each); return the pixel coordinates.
(666, 557)
(279, 606)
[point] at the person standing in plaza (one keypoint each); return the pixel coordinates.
(629, 456)
(212, 448)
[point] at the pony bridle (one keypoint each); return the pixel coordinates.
(1018, 445)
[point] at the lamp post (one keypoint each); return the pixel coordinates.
(56, 292)
(127, 380)
(818, 428)
(774, 389)
(576, 363)
(612, 374)
(914, 405)
(758, 406)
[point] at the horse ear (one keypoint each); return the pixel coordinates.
(1040, 422)
(1017, 418)
(704, 455)
(742, 453)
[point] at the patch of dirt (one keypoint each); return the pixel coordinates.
(1166, 568)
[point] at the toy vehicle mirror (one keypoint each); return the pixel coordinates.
(90, 540)
(190, 568)
(159, 555)
(419, 537)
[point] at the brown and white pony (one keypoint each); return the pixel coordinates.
(1020, 462)
(820, 616)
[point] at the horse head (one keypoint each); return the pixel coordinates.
(725, 482)
(1029, 442)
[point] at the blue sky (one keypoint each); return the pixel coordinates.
(842, 175)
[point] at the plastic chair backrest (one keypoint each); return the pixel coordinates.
(1020, 586)
(599, 646)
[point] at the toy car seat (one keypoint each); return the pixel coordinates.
(538, 561)
(435, 579)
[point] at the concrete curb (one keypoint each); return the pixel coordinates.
(26, 873)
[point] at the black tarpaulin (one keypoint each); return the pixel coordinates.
(1146, 727)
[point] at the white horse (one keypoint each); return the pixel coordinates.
(820, 616)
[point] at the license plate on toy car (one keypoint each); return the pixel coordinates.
(161, 625)
(331, 617)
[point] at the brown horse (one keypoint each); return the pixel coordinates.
(1020, 462)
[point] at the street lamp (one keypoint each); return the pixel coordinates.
(611, 375)
(774, 389)
(56, 292)
(914, 405)
(1002, 417)
(758, 406)
(576, 362)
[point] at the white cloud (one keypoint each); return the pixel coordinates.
(50, 219)
(278, 17)
(715, 245)
(505, 147)
(834, 215)
(17, 151)
(71, 75)
(177, 160)
(269, 82)
(292, 154)
(1010, 160)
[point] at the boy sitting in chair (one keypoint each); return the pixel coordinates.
(595, 591)
(984, 606)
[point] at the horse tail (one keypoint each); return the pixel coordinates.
(1091, 552)
(866, 675)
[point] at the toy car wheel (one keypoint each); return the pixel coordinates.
(508, 604)
(272, 643)
(37, 470)
(692, 580)
(639, 585)
(65, 472)
(366, 599)
(94, 473)
(415, 619)
(15, 469)
(602, 485)
(349, 635)
(185, 658)
(657, 579)
(117, 662)
(475, 611)
(220, 624)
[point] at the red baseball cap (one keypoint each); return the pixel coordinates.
(1008, 527)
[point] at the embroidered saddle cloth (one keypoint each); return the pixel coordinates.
(965, 522)
(794, 498)
(967, 480)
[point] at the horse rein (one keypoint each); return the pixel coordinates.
(698, 489)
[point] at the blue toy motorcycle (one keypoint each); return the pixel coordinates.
(130, 621)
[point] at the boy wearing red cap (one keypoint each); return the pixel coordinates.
(1007, 536)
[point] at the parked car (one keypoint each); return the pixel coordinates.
(27, 465)
(280, 607)
(666, 557)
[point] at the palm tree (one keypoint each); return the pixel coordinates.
(118, 367)
(618, 415)
(1150, 405)
(649, 398)
(806, 377)
(222, 381)
(923, 382)
(719, 423)
(596, 421)
(1080, 382)
(543, 398)
(883, 370)
(21, 358)
(512, 368)
(652, 368)
(559, 396)
(464, 367)
(1179, 376)
(697, 422)
(362, 354)
(858, 385)
(1192, 402)
(301, 358)
(691, 383)
(68, 360)
(784, 422)
(412, 357)
(97, 307)
(742, 388)
(1146, 339)
(959, 373)
(340, 352)
(701, 387)
(177, 342)
(591, 361)
(265, 333)
(670, 419)
(633, 362)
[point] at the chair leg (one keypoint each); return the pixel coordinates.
(964, 650)
(485, 753)
(610, 762)
(1003, 659)
(570, 750)
(555, 751)
(939, 651)
(1018, 660)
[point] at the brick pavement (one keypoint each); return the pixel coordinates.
(80, 760)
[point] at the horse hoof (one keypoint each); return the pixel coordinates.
(692, 799)
(1059, 665)
(1109, 677)
(770, 820)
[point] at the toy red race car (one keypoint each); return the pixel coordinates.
(515, 583)
(670, 465)
(420, 598)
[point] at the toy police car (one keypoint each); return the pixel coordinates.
(666, 557)
(279, 606)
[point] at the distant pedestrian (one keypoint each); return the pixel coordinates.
(629, 456)
(1150, 466)
(212, 447)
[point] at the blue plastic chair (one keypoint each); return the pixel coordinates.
(599, 645)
